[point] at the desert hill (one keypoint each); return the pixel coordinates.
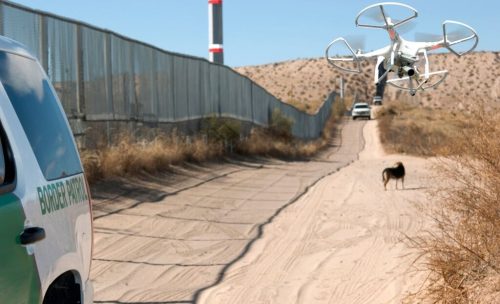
(305, 83)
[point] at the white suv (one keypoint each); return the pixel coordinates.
(361, 109)
(45, 211)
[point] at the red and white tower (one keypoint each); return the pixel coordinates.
(216, 52)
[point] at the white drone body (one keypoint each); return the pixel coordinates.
(402, 57)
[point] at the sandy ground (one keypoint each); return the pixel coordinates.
(268, 232)
(341, 243)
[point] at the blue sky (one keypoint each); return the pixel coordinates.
(265, 31)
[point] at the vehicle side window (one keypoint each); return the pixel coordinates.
(38, 111)
(2, 164)
(7, 166)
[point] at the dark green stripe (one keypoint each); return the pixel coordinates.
(19, 282)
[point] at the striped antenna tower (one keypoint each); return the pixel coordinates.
(215, 49)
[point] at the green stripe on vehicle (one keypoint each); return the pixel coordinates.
(19, 282)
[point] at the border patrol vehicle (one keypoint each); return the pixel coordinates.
(45, 207)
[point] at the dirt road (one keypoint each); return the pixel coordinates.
(269, 232)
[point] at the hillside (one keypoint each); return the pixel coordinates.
(306, 82)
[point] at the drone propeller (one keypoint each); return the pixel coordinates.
(406, 27)
(385, 14)
(375, 14)
(357, 42)
(458, 34)
(428, 37)
(454, 35)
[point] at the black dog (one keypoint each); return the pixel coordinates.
(397, 172)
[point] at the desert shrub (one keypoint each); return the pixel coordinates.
(277, 141)
(413, 129)
(281, 125)
(462, 252)
(221, 129)
(264, 142)
(131, 156)
(338, 109)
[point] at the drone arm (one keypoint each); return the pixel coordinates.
(393, 53)
(410, 83)
(407, 19)
(375, 54)
(342, 59)
(395, 80)
(380, 60)
(383, 15)
(334, 60)
(431, 46)
(448, 43)
(426, 71)
(356, 57)
(461, 40)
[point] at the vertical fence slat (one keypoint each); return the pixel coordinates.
(165, 88)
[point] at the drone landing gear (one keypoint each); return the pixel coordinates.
(420, 85)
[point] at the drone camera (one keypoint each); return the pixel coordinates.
(409, 71)
(406, 70)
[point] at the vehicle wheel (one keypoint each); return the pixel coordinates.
(64, 290)
(354, 118)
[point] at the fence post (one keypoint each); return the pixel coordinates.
(156, 79)
(251, 104)
(80, 94)
(44, 49)
(109, 74)
(219, 87)
(135, 106)
(108, 83)
(155, 94)
(171, 81)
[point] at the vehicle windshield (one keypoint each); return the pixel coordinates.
(361, 106)
(39, 112)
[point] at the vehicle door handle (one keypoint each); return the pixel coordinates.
(31, 235)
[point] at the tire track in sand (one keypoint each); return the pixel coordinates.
(169, 242)
(360, 260)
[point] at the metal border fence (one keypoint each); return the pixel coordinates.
(104, 78)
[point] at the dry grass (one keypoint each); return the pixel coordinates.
(131, 157)
(462, 253)
(277, 141)
(412, 129)
(265, 143)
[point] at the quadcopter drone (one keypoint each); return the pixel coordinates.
(407, 60)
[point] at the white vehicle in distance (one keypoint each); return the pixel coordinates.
(361, 109)
(45, 206)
